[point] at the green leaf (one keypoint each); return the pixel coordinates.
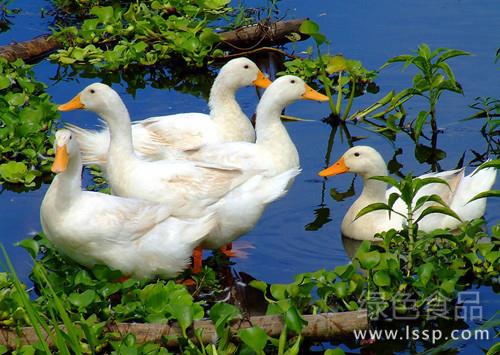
(431, 198)
(104, 14)
(488, 164)
(4, 82)
(278, 291)
(369, 260)
(419, 123)
(222, 313)
(82, 300)
(484, 194)
(377, 206)
(450, 54)
(337, 351)
(437, 209)
(13, 171)
(381, 278)
(254, 337)
(259, 285)
(425, 272)
(183, 314)
(309, 27)
(31, 246)
(293, 320)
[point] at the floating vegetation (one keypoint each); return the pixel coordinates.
(26, 120)
(143, 33)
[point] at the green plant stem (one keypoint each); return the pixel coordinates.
(411, 241)
(339, 93)
(324, 80)
(349, 103)
(282, 340)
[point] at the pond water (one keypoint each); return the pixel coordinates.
(285, 242)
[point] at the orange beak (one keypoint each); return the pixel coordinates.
(338, 168)
(262, 81)
(74, 104)
(312, 94)
(61, 161)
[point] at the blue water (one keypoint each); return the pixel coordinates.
(366, 30)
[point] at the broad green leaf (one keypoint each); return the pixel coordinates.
(293, 320)
(381, 278)
(254, 337)
(337, 351)
(4, 82)
(437, 209)
(31, 246)
(424, 51)
(82, 300)
(425, 272)
(309, 27)
(369, 260)
(259, 285)
(278, 291)
(335, 64)
(484, 194)
(104, 14)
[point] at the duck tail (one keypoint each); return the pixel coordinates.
(471, 185)
(93, 144)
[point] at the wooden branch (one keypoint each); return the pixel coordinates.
(261, 34)
(255, 35)
(324, 326)
(29, 50)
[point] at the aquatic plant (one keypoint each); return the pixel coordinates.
(26, 119)
(143, 33)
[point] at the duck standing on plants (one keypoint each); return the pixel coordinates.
(139, 238)
(457, 193)
(167, 136)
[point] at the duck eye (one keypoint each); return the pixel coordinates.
(292, 81)
(246, 66)
(356, 154)
(92, 91)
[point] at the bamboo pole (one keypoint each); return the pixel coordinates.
(254, 35)
(323, 326)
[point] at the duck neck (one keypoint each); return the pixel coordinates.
(225, 110)
(273, 136)
(120, 130)
(268, 126)
(374, 190)
(68, 184)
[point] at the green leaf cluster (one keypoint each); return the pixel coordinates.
(26, 119)
(143, 33)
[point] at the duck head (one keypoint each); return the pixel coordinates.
(65, 147)
(362, 160)
(97, 97)
(289, 88)
(241, 72)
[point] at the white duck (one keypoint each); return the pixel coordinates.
(237, 196)
(274, 151)
(137, 237)
(367, 162)
(164, 136)
(273, 154)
